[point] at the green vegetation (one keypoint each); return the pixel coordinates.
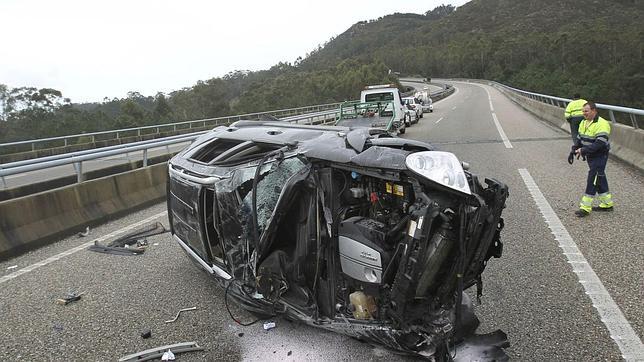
(557, 47)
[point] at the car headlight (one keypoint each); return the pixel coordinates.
(440, 167)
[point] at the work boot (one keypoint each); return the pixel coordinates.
(582, 213)
(602, 208)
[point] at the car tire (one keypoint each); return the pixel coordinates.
(402, 130)
(422, 114)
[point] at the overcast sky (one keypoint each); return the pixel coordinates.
(90, 50)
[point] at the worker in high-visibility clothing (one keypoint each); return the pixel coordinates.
(593, 144)
(574, 115)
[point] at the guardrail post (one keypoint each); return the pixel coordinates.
(145, 158)
(138, 132)
(93, 139)
(33, 146)
(65, 142)
(78, 166)
(117, 135)
(3, 183)
(634, 121)
(611, 115)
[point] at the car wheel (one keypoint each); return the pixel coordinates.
(421, 115)
(402, 130)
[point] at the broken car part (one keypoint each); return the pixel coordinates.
(154, 353)
(69, 298)
(179, 312)
(133, 243)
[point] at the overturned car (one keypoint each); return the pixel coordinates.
(351, 230)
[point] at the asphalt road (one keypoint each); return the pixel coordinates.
(531, 293)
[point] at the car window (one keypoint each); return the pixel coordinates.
(379, 97)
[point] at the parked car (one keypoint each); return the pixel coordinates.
(414, 109)
(425, 99)
(349, 230)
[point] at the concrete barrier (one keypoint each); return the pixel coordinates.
(35, 220)
(52, 184)
(627, 143)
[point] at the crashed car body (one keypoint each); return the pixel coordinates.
(347, 229)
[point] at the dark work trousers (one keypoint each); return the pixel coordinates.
(597, 182)
(574, 126)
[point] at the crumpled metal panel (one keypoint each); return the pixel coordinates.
(382, 157)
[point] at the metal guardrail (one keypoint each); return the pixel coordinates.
(138, 131)
(563, 102)
(77, 158)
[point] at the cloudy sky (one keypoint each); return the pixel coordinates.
(90, 49)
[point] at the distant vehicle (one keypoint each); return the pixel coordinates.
(385, 93)
(414, 109)
(370, 115)
(425, 99)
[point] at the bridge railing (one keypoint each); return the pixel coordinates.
(138, 131)
(629, 115)
(77, 158)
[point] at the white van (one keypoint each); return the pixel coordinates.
(386, 93)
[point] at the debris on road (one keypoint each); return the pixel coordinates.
(178, 313)
(12, 267)
(146, 334)
(168, 356)
(159, 352)
(83, 234)
(57, 327)
(269, 325)
(133, 243)
(241, 334)
(69, 298)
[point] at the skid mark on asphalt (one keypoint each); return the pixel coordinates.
(71, 251)
(620, 330)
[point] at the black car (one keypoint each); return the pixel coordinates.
(346, 229)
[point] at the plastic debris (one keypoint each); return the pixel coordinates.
(69, 298)
(168, 356)
(241, 334)
(160, 352)
(58, 327)
(12, 267)
(84, 233)
(146, 334)
(133, 243)
(178, 313)
(269, 325)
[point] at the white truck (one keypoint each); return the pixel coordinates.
(386, 93)
(425, 99)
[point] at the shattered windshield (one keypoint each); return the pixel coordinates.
(269, 189)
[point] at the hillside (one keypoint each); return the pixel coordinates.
(531, 44)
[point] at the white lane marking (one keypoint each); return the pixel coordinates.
(52, 259)
(440, 119)
(620, 330)
(505, 139)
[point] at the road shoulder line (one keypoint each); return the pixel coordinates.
(73, 250)
(620, 330)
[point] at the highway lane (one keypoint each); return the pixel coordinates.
(531, 292)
